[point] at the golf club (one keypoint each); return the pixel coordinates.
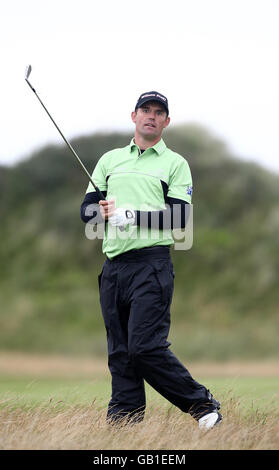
(100, 194)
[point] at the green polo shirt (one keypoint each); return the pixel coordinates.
(136, 180)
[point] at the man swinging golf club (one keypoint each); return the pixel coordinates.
(148, 190)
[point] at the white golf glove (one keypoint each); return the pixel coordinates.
(122, 217)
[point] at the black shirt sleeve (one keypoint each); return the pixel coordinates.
(174, 216)
(90, 208)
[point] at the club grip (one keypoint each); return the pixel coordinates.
(100, 194)
(102, 197)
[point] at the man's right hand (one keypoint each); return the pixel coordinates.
(107, 208)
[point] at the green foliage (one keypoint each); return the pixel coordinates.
(226, 296)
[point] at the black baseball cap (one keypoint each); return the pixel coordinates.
(152, 96)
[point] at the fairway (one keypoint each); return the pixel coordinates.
(60, 403)
(251, 392)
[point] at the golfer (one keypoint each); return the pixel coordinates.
(148, 190)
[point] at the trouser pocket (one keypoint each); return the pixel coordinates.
(165, 278)
(101, 275)
(100, 279)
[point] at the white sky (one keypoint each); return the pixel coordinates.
(215, 60)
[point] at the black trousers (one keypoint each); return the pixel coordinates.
(135, 293)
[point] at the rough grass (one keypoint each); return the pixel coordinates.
(79, 424)
(79, 427)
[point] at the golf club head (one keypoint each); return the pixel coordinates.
(28, 71)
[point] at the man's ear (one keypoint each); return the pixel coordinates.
(133, 116)
(167, 122)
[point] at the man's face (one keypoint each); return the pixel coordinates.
(150, 120)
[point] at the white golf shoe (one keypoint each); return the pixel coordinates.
(210, 420)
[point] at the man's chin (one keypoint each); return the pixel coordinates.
(150, 135)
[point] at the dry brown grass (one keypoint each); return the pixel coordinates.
(80, 427)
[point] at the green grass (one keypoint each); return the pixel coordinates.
(252, 393)
(27, 392)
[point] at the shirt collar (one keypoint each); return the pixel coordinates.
(158, 148)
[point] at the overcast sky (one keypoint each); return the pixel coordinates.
(215, 60)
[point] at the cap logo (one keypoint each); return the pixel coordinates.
(156, 95)
(162, 97)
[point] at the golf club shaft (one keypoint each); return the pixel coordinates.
(100, 194)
